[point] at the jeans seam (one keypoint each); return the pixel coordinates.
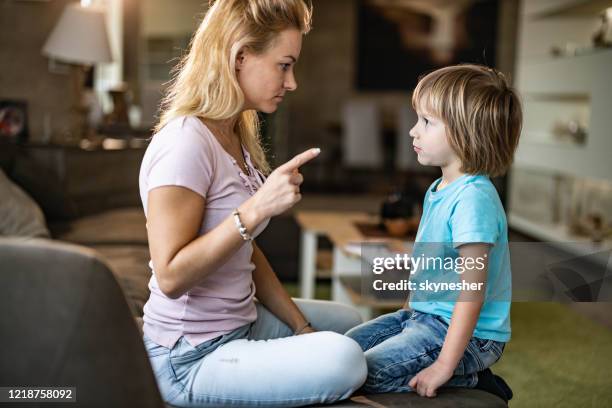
(373, 339)
(389, 366)
(278, 401)
(475, 351)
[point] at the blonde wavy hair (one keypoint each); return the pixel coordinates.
(204, 82)
(482, 114)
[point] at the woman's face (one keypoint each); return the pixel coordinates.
(265, 78)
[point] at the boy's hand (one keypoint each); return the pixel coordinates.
(427, 381)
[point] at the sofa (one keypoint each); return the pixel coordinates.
(40, 201)
(110, 248)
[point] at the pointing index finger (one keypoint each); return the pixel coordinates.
(300, 160)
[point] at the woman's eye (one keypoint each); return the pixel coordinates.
(285, 67)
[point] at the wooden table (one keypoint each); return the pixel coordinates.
(341, 230)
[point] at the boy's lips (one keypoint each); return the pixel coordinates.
(417, 149)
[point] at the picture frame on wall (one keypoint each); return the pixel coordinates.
(398, 41)
(14, 121)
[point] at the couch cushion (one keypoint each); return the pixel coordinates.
(19, 214)
(126, 226)
(130, 265)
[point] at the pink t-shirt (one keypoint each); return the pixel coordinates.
(185, 153)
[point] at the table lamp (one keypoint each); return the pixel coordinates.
(79, 38)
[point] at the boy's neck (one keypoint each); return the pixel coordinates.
(450, 173)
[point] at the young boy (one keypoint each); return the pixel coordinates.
(469, 121)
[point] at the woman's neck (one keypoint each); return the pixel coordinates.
(224, 128)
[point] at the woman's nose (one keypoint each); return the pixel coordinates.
(290, 82)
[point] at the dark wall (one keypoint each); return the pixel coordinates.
(24, 73)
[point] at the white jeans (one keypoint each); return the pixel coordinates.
(263, 364)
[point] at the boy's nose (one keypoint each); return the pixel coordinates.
(413, 131)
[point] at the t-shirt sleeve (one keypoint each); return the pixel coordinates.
(183, 157)
(475, 218)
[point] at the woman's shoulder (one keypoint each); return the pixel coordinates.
(188, 131)
(185, 124)
(183, 139)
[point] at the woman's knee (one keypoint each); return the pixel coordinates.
(345, 362)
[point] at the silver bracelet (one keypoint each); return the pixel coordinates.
(300, 330)
(241, 228)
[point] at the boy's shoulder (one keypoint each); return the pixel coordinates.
(478, 192)
(478, 187)
(469, 187)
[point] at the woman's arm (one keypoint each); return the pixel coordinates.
(461, 328)
(271, 293)
(181, 258)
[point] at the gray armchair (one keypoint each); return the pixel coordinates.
(66, 322)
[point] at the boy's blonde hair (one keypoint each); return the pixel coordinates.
(481, 112)
(205, 83)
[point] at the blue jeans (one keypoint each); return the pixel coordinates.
(399, 345)
(263, 364)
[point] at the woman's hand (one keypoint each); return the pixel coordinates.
(428, 380)
(281, 190)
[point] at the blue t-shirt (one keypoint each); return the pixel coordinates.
(468, 210)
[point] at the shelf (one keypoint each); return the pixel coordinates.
(554, 233)
(555, 93)
(570, 77)
(558, 97)
(571, 8)
(544, 138)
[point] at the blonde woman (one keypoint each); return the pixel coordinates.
(205, 196)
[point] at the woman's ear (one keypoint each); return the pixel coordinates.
(240, 57)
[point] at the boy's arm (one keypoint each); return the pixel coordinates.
(461, 328)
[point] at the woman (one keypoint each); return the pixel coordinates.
(205, 197)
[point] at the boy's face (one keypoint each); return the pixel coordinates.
(431, 141)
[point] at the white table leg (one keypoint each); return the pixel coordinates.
(308, 264)
(344, 265)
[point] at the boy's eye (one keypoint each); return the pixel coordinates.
(426, 121)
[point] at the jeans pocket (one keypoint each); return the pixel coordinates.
(153, 349)
(485, 352)
(484, 345)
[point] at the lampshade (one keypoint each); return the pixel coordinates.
(79, 36)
